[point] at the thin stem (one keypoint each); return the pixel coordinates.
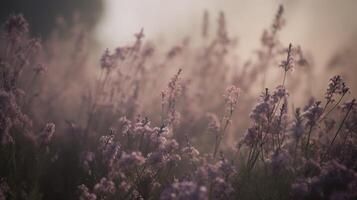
(308, 141)
(328, 112)
(338, 130)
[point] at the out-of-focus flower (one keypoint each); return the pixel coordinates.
(107, 61)
(191, 152)
(105, 186)
(46, 136)
(231, 95)
(287, 64)
(222, 189)
(185, 190)
(87, 158)
(280, 160)
(313, 113)
(214, 125)
(336, 86)
(16, 26)
(251, 136)
(85, 194)
(110, 149)
(133, 159)
(297, 127)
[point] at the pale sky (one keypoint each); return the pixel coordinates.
(319, 26)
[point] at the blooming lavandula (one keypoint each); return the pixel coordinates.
(16, 26)
(336, 87)
(231, 98)
(105, 186)
(185, 190)
(169, 98)
(110, 150)
(297, 127)
(130, 160)
(312, 116)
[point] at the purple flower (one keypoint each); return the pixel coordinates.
(191, 152)
(85, 194)
(45, 137)
(16, 26)
(336, 86)
(313, 113)
(185, 190)
(87, 158)
(214, 124)
(288, 63)
(231, 95)
(297, 127)
(133, 159)
(107, 61)
(221, 189)
(110, 150)
(105, 186)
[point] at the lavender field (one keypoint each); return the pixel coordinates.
(185, 122)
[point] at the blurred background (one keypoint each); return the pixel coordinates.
(321, 27)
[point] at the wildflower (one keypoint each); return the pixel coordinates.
(231, 95)
(85, 194)
(87, 158)
(222, 34)
(222, 189)
(279, 93)
(205, 24)
(336, 86)
(110, 150)
(105, 186)
(45, 137)
(125, 123)
(173, 159)
(334, 178)
(280, 160)
(207, 171)
(297, 128)
(133, 159)
(107, 61)
(170, 96)
(260, 112)
(288, 63)
(16, 26)
(226, 167)
(313, 113)
(185, 190)
(251, 136)
(157, 158)
(279, 20)
(174, 86)
(214, 124)
(124, 186)
(191, 152)
(169, 146)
